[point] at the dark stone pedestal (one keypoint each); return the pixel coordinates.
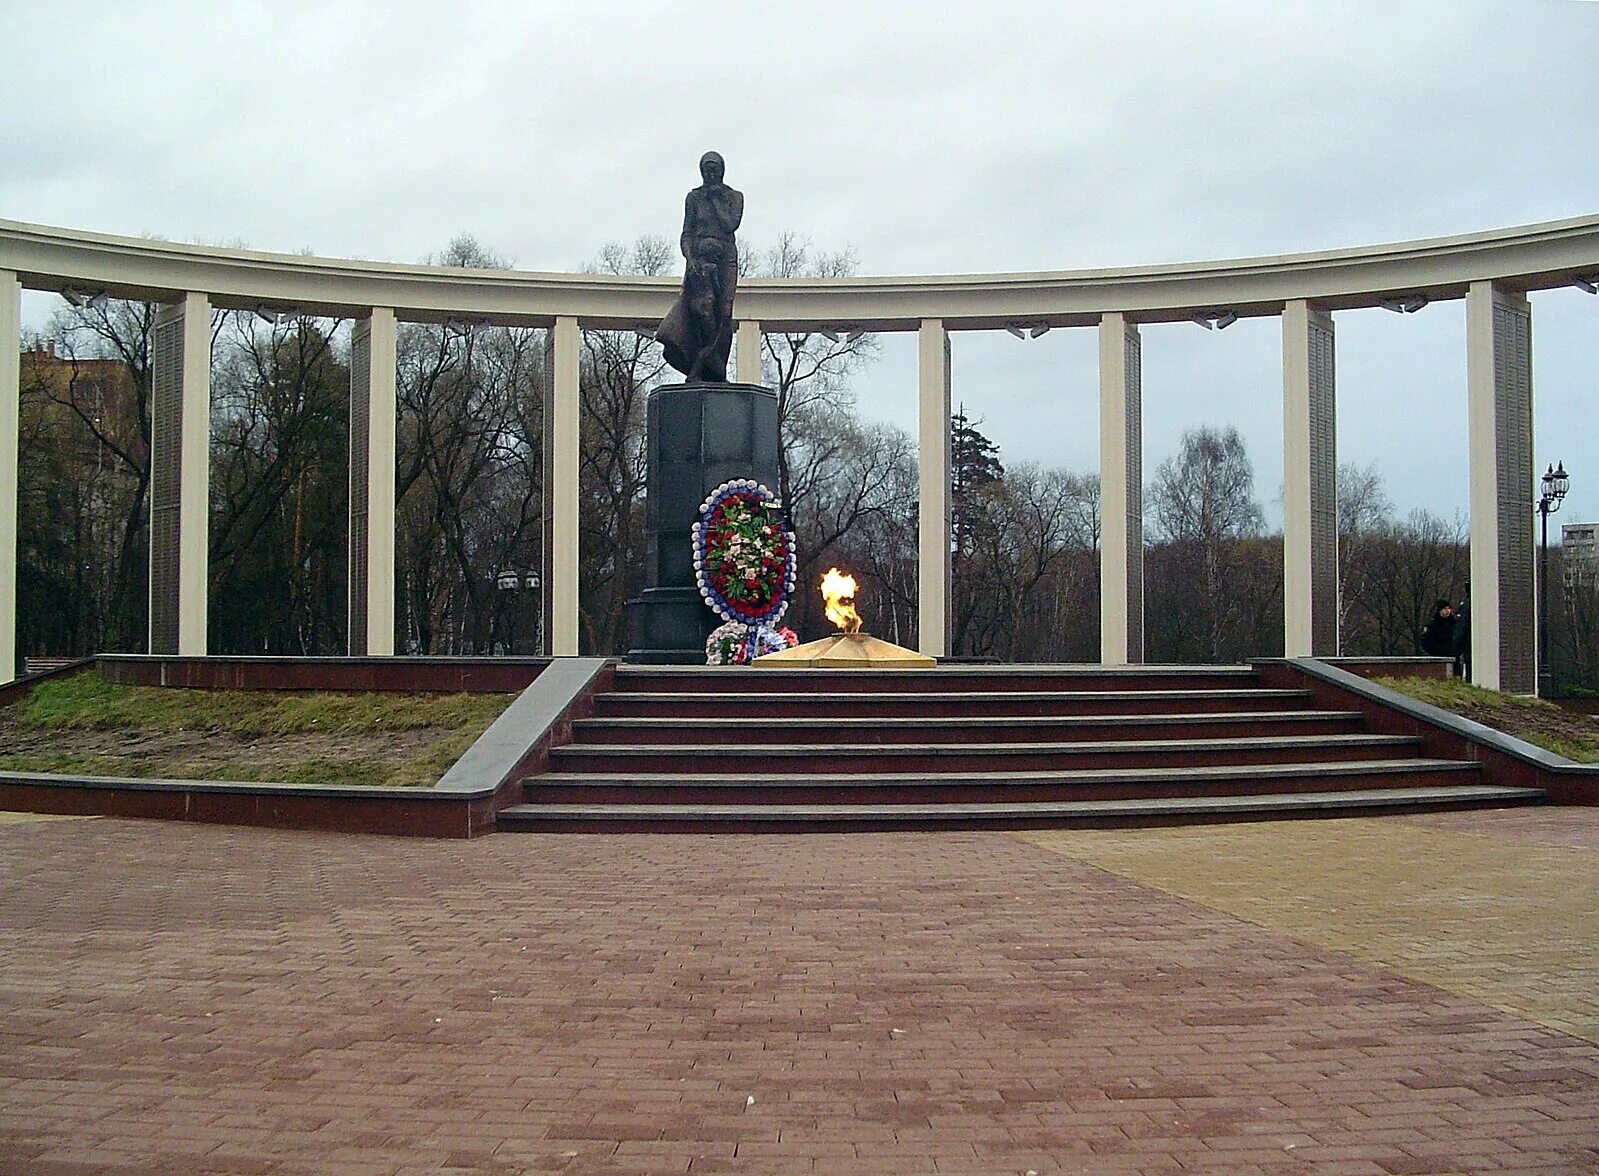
(700, 435)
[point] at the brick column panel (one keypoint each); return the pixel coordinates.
(933, 470)
(566, 342)
(1310, 483)
(1504, 639)
(372, 425)
(180, 476)
(10, 418)
(1121, 492)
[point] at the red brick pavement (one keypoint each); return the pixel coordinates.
(205, 999)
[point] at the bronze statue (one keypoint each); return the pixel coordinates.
(697, 333)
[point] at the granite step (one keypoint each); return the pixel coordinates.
(930, 680)
(810, 730)
(1002, 815)
(755, 787)
(947, 757)
(951, 703)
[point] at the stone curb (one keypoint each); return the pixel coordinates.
(1519, 749)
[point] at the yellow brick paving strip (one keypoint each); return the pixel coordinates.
(1500, 919)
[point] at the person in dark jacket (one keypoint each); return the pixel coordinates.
(1438, 638)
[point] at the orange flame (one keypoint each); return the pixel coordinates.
(838, 590)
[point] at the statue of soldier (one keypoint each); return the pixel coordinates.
(697, 333)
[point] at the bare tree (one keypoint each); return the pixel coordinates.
(279, 486)
(1022, 529)
(809, 369)
(1204, 504)
(1363, 513)
(618, 370)
(863, 518)
(116, 415)
(1404, 568)
(469, 474)
(1574, 634)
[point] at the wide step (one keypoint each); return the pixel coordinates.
(973, 747)
(1004, 815)
(809, 731)
(746, 681)
(754, 787)
(944, 757)
(814, 704)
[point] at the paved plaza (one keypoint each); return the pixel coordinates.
(1363, 997)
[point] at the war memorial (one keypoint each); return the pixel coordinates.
(890, 738)
(1030, 918)
(1493, 272)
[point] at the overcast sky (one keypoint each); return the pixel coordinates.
(926, 137)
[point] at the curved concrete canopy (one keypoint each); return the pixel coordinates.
(1529, 257)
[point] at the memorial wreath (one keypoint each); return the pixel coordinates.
(744, 565)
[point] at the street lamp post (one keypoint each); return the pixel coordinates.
(508, 582)
(531, 583)
(512, 584)
(1555, 483)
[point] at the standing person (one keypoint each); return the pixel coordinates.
(1463, 636)
(1438, 636)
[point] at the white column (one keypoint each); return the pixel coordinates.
(933, 462)
(180, 476)
(372, 420)
(1121, 492)
(747, 352)
(10, 415)
(1499, 427)
(1310, 483)
(565, 345)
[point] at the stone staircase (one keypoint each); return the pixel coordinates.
(671, 748)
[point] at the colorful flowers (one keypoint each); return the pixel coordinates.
(744, 565)
(743, 558)
(738, 644)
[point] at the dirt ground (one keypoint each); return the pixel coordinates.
(219, 755)
(1576, 732)
(1564, 732)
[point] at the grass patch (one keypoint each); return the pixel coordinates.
(424, 770)
(86, 725)
(66, 763)
(311, 771)
(87, 701)
(1572, 735)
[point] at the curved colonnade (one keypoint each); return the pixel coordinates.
(1493, 271)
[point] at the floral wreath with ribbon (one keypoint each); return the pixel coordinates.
(744, 566)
